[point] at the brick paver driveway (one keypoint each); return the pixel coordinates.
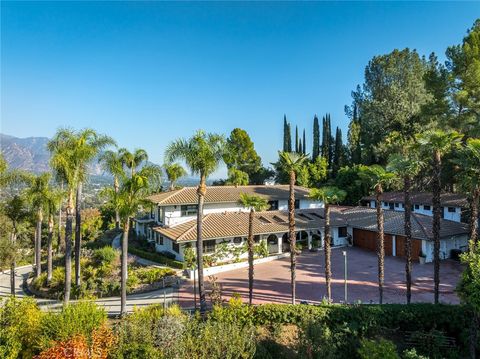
(272, 280)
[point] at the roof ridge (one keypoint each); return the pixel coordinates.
(424, 230)
(194, 222)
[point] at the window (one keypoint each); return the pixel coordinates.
(451, 209)
(237, 240)
(160, 212)
(342, 232)
(426, 208)
(297, 204)
(273, 205)
(189, 210)
(417, 206)
(159, 239)
(175, 247)
(390, 205)
(397, 205)
(256, 239)
(209, 246)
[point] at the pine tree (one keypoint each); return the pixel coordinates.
(296, 139)
(304, 143)
(316, 139)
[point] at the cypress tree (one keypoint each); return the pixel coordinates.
(316, 139)
(331, 142)
(304, 143)
(300, 147)
(285, 134)
(289, 138)
(296, 139)
(338, 152)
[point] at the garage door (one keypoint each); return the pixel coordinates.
(368, 240)
(400, 247)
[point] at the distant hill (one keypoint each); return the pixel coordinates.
(31, 154)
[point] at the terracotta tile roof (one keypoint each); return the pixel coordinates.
(233, 224)
(225, 194)
(366, 218)
(446, 199)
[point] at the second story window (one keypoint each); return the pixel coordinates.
(451, 209)
(160, 212)
(297, 204)
(426, 208)
(273, 205)
(189, 210)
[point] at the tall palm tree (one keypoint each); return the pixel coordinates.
(62, 160)
(52, 206)
(131, 195)
(437, 143)
(255, 203)
(87, 145)
(378, 178)
(202, 153)
(328, 195)
(292, 162)
(15, 209)
(38, 193)
(406, 165)
(113, 164)
(133, 160)
(174, 171)
(468, 160)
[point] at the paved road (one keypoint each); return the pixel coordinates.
(111, 305)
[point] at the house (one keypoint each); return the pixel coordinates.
(454, 205)
(172, 225)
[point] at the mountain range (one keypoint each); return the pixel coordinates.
(31, 154)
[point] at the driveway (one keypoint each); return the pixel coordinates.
(272, 280)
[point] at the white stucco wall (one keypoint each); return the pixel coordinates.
(446, 245)
(451, 216)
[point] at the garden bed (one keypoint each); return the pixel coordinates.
(100, 271)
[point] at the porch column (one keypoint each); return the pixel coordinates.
(280, 244)
(394, 245)
(309, 240)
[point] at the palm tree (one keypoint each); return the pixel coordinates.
(62, 160)
(131, 195)
(378, 177)
(255, 203)
(133, 160)
(202, 153)
(87, 145)
(38, 193)
(112, 163)
(292, 162)
(15, 210)
(406, 166)
(174, 172)
(437, 143)
(468, 160)
(52, 206)
(328, 195)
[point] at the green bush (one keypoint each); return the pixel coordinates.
(20, 327)
(412, 354)
(152, 275)
(79, 318)
(378, 349)
(105, 256)
(156, 257)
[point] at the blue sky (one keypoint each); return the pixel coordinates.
(146, 73)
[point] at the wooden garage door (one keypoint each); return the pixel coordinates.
(400, 247)
(368, 240)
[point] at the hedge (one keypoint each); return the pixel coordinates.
(453, 320)
(156, 257)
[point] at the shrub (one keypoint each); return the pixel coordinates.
(152, 275)
(20, 326)
(156, 257)
(377, 349)
(105, 256)
(81, 318)
(412, 354)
